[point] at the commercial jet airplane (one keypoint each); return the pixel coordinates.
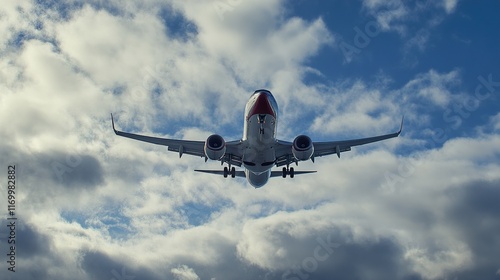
(258, 150)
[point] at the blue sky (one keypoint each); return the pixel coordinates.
(92, 205)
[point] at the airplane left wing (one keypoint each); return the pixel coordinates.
(195, 148)
(181, 146)
(284, 155)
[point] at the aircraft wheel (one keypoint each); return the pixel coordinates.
(284, 172)
(226, 171)
(233, 172)
(292, 172)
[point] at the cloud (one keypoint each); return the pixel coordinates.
(184, 273)
(389, 14)
(403, 17)
(450, 5)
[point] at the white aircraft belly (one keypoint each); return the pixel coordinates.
(259, 155)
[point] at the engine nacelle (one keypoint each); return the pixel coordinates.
(215, 147)
(302, 147)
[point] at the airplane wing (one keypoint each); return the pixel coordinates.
(284, 155)
(195, 148)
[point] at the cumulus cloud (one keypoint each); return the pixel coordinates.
(402, 17)
(450, 5)
(184, 273)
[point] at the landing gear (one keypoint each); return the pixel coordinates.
(228, 171)
(290, 171)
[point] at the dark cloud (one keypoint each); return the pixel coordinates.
(474, 214)
(76, 170)
(70, 170)
(33, 252)
(31, 242)
(375, 259)
(229, 267)
(99, 265)
(381, 258)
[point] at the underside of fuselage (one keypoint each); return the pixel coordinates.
(257, 180)
(259, 136)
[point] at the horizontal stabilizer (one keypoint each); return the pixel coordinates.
(220, 172)
(280, 173)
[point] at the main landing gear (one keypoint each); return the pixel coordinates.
(290, 171)
(229, 171)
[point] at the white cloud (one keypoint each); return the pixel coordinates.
(434, 86)
(184, 273)
(389, 14)
(399, 16)
(354, 109)
(450, 5)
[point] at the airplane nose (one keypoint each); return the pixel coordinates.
(262, 105)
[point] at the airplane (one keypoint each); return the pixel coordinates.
(258, 151)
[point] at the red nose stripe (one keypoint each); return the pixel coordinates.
(262, 106)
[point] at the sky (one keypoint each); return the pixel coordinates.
(92, 205)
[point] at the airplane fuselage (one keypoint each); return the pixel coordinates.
(259, 137)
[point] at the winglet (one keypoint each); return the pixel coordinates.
(401, 127)
(113, 123)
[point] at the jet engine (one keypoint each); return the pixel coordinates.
(215, 147)
(302, 147)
